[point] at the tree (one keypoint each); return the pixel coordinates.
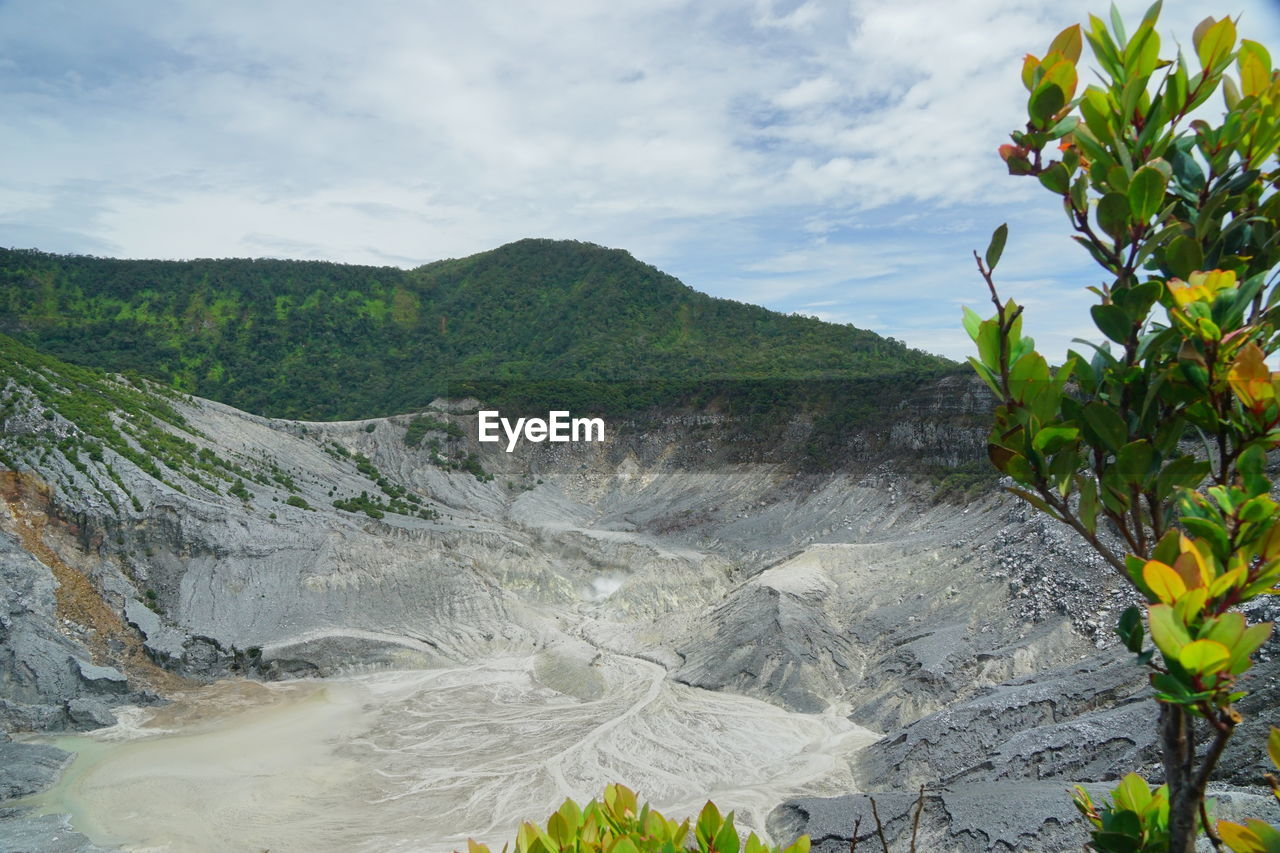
(1152, 446)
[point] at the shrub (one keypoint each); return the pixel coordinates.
(620, 825)
(420, 426)
(1184, 221)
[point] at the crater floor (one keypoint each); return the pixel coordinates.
(420, 760)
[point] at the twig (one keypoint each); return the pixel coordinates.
(915, 824)
(879, 827)
(1225, 728)
(853, 842)
(1208, 828)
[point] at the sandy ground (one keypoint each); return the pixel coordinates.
(421, 760)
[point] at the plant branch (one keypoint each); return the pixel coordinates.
(879, 827)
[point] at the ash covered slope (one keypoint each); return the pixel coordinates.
(150, 537)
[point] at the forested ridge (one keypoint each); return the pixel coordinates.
(320, 340)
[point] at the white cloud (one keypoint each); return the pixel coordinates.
(783, 152)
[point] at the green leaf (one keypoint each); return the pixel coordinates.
(1088, 508)
(1171, 688)
(1273, 746)
(972, 322)
(1096, 109)
(986, 375)
(1133, 794)
(1146, 193)
(1134, 461)
(1130, 629)
(1252, 465)
(1106, 425)
(1250, 641)
(1185, 472)
(1113, 321)
(1113, 215)
(708, 824)
(1055, 179)
(1186, 171)
(1183, 256)
(1047, 99)
(989, 344)
(1051, 439)
(1167, 632)
(1115, 842)
(726, 840)
(996, 247)
(1117, 24)
(1062, 128)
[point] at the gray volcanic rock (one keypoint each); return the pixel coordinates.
(42, 669)
(970, 819)
(164, 643)
(771, 637)
(87, 713)
(1078, 722)
(44, 834)
(26, 768)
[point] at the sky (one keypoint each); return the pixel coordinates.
(835, 159)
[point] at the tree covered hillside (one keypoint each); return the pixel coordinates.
(318, 340)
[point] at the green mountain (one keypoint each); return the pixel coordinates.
(318, 340)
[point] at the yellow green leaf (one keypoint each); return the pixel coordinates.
(1029, 65)
(1063, 75)
(1249, 376)
(571, 813)
(1254, 78)
(1190, 605)
(1133, 793)
(1239, 838)
(1226, 628)
(1204, 656)
(1167, 632)
(1197, 35)
(1216, 43)
(1068, 42)
(1228, 580)
(1163, 581)
(1250, 641)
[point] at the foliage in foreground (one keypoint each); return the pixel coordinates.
(1157, 440)
(620, 825)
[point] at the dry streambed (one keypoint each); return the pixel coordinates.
(420, 760)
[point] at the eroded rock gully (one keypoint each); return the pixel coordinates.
(669, 608)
